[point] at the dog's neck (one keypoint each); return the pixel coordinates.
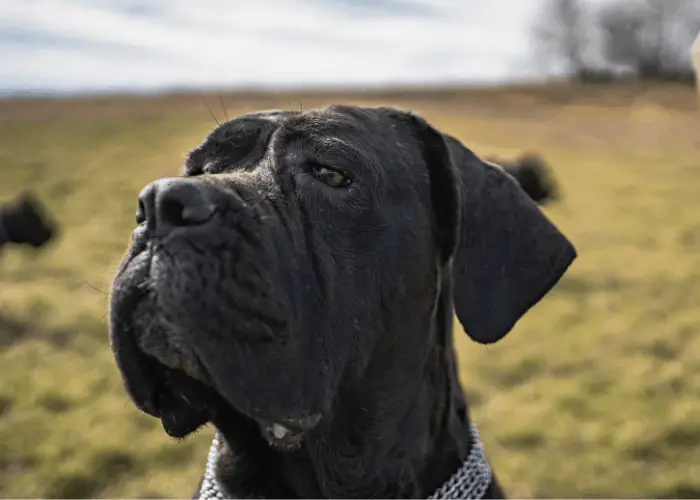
(379, 443)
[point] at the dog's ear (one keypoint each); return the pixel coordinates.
(506, 254)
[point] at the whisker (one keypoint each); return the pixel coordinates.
(223, 106)
(95, 288)
(208, 108)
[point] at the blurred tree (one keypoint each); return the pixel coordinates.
(651, 38)
(561, 36)
(645, 39)
(696, 61)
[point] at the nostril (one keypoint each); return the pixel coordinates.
(184, 207)
(171, 212)
(176, 213)
(182, 202)
(145, 211)
(141, 213)
(167, 204)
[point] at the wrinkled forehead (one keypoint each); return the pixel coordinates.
(367, 136)
(242, 141)
(351, 124)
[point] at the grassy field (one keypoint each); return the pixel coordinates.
(596, 393)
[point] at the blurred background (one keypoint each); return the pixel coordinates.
(597, 391)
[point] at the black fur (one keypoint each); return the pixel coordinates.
(286, 300)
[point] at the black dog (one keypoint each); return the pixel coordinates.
(534, 176)
(24, 221)
(297, 288)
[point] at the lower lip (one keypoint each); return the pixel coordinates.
(282, 437)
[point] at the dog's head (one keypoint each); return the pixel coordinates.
(293, 248)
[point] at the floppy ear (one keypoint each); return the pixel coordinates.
(506, 254)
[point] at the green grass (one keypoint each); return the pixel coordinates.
(596, 393)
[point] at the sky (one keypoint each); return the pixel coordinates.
(147, 45)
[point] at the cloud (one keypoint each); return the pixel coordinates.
(68, 45)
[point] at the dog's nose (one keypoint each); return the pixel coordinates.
(167, 204)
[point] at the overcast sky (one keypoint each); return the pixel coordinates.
(100, 45)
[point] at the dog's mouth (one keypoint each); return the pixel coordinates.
(182, 402)
(184, 405)
(288, 434)
(164, 377)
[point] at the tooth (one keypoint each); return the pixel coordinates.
(279, 431)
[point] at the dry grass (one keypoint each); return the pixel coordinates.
(595, 393)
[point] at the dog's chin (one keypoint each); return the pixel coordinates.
(182, 403)
(185, 405)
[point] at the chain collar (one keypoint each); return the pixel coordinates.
(470, 481)
(473, 478)
(210, 486)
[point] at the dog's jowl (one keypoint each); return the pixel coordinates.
(296, 288)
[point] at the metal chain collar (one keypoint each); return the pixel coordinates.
(470, 481)
(473, 478)
(210, 486)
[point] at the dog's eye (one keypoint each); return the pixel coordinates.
(331, 177)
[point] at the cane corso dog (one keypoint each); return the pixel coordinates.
(296, 288)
